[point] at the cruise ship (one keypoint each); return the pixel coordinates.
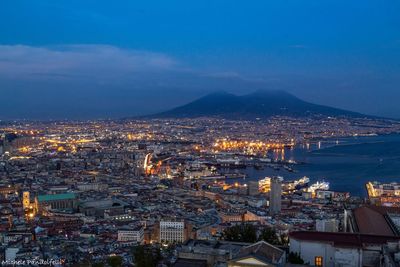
(318, 186)
(287, 186)
(265, 184)
(296, 184)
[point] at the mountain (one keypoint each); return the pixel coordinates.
(260, 104)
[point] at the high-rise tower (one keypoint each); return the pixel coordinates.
(275, 195)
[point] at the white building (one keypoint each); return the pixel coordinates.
(339, 249)
(172, 231)
(134, 234)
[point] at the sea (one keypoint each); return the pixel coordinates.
(346, 163)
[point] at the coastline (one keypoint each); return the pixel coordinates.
(346, 172)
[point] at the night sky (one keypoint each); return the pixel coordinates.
(109, 59)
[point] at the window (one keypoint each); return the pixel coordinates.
(318, 261)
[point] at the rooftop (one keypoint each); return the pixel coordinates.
(190, 262)
(54, 197)
(374, 220)
(262, 251)
(343, 239)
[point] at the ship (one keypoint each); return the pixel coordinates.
(265, 160)
(318, 186)
(265, 184)
(296, 184)
(287, 186)
(232, 163)
(212, 177)
(289, 169)
(235, 175)
(258, 166)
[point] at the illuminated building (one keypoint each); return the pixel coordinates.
(265, 184)
(387, 194)
(341, 249)
(5, 190)
(376, 189)
(232, 215)
(26, 201)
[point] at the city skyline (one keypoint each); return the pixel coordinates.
(207, 133)
(90, 60)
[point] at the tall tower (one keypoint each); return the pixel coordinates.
(26, 200)
(275, 195)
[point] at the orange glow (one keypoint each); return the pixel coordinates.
(139, 136)
(229, 145)
(83, 141)
(24, 149)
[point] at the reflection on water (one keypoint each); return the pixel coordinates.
(346, 163)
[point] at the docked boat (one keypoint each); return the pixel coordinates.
(318, 186)
(265, 184)
(212, 177)
(235, 175)
(296, 184)
(289, 169)
(258, 166)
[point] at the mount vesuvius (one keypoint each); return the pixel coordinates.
(261, 104)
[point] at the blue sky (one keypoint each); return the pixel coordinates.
(88, 59)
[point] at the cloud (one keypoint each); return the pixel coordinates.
(68, 61)
(104, 81)
(231, 75)
(99, 81)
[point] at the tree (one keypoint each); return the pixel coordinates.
(146, 256)
(241, 233)
(269, 235)
(98, 264)
(115, 261)
(139, 256)
(284, 240)
(295, 258)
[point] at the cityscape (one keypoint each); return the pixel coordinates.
(199, 133)
(90, 192)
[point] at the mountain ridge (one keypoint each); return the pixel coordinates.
(260, 104)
